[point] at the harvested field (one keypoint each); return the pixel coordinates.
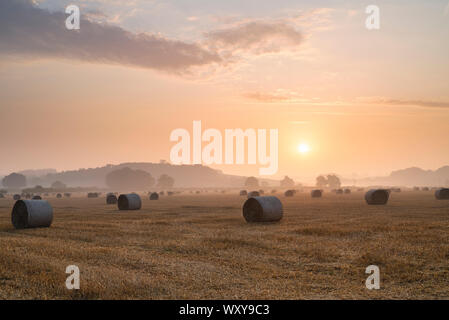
(200, 247)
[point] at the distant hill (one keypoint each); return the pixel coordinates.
(412, 177)
(184, 175)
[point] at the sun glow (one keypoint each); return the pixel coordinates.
(303, 148)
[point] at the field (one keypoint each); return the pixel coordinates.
(200, 247)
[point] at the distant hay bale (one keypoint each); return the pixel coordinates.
(347, 191)
(27, 196)
(377, 197)
(442, 194)
(129, 202)
(339, 191)
(425, 189)
(262, 209)
(253, 194)
(92, 195)
(396, 189)
(198, 192)
(243, 193)
(416, 188)
(154, 196)
(360, 189)
(31, 214)
(289, 193)
(273, 191)
(161, 193)
(16, 197)
(170, 193)
(261, 191)
(111, 199)
(1, 196)
(59, 196)
(67, 195)
(37, 198)
(317, 193)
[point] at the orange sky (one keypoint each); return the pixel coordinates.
(366, 102)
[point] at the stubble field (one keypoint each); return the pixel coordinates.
(200, 247)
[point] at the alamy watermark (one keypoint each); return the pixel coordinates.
(73, 280)
(372, 22)
(213, 152)
(73, 20)
(373, 281)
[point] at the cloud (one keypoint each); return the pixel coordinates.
(26, 30)
(400, 102)
(256, 37)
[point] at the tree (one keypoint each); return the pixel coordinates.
(58, 185)
(333, 181)
(129, 179)
(14, 180)
(321, 182)
(252, 182)
(287, 182)
(165, 181)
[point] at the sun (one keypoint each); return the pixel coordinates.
(303, 148)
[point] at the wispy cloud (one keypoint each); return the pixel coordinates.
(256, 37)
(404, 102)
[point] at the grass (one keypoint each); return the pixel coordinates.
(200, 247)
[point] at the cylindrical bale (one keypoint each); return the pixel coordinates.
(59, 196)
(316, 193)
(347, 191)
(37, 198)
(170, 193)
(154, 196)
(31, 214)
(442, 194)
(111, 199)
(129, 202)
(339, 191)
(289, 193)
(28, 196)
(67, 194)
(253, 194)
(425, 189)
(262, 209)
(243, 193)
(261, 191)
(16, 197)
(377, 196)
(1, 196)
(92, 195)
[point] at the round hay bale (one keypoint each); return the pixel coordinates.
(339, 191)
(27, 196)
(59, 196)
(377, 197)
(31, 214)
(347, 191)
(67, 194)
(243, 193)
(1, 196)
(262, 209)
(442, 194)
(261, 191)
(415, 188)
(273, 191)
(317, 193)
(161, 193)
(129, 202)
(289, 193)
(253, 194)
(92, 195)
(154, 196)
(425, 189)
(111, 199)
(170, 193)
(37, 198)
(16, 197)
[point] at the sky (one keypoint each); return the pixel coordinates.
(365, 102)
